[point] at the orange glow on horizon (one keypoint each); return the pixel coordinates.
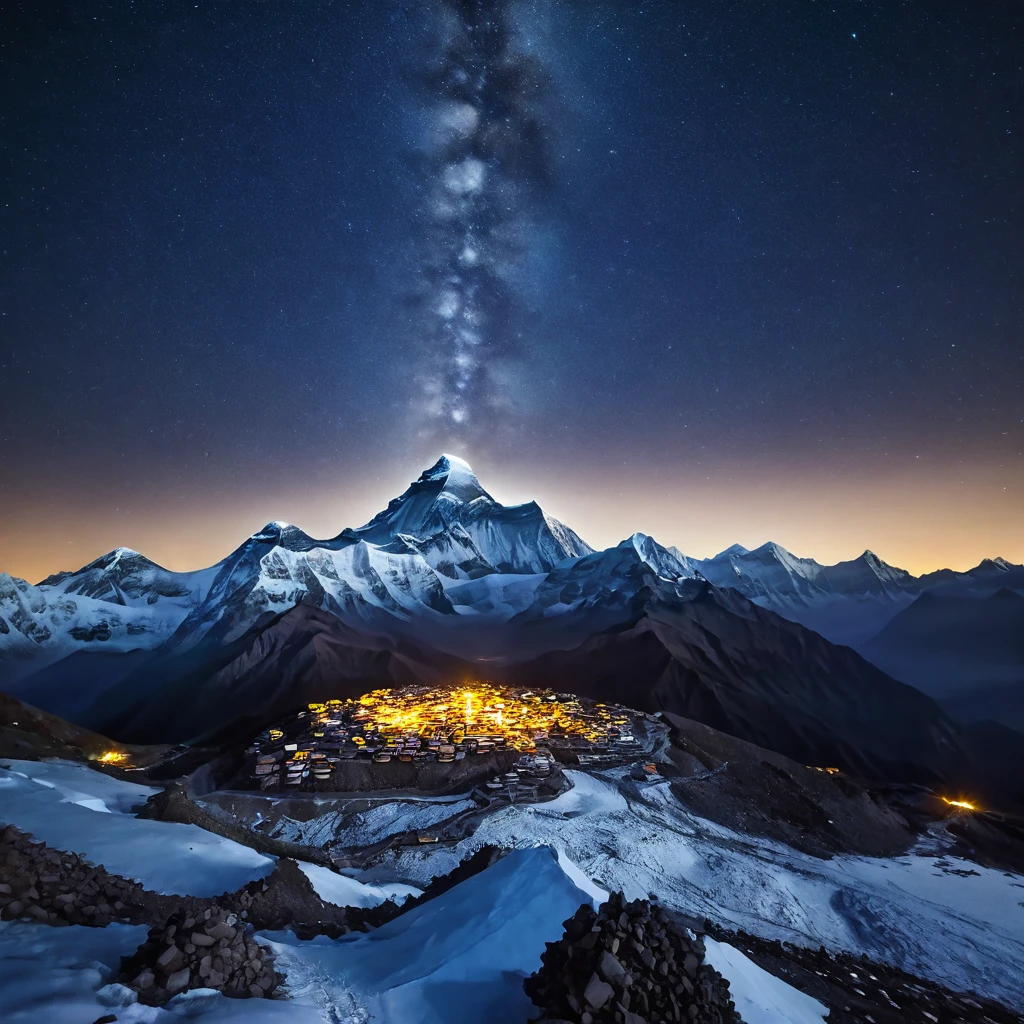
(920, 519)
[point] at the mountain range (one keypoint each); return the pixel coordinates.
(446, 582)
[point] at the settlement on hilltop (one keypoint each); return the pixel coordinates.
(421, 725)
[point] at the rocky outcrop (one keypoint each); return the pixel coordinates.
(41, 884)
(629, 963)
(215, 949)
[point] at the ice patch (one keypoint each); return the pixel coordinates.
(760, 997)
(343, 891)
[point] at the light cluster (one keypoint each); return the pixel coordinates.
(425, 725)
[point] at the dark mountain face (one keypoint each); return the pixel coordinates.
(946, 644)
(720, 660)
(1001, 702)
(685, 647)
(278, 666)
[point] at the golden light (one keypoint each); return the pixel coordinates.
(517, 718)
(961, 805)
(112, 757)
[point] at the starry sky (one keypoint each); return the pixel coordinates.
(721, 272)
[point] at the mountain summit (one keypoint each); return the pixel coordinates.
(449, 518)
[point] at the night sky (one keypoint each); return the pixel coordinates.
(716, 271)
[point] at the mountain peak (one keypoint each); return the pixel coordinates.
(456, 477)
(512, 538)
(773, 549)
(733, 549)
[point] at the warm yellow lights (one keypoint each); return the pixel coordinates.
(960, 805)
(482, 711)
(828, 771)
(113, 757)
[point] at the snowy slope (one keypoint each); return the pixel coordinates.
(760, 997)
(343, 891)
(914, 912)
(73, 808)
(459, 959)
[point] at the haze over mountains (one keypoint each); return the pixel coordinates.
(448, 582)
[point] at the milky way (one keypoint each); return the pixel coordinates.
(487, 162)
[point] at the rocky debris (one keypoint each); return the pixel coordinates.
(214, 949)
(46, 885)
(856, 989)
(53, 887)
(629, 963)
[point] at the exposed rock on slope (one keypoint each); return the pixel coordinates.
(214, 949)
(757, 791)
(629, 963)
(302, 655)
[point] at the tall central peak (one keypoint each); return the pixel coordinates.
(447, 505)
(456, 477)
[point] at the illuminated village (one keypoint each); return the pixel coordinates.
(424, 726)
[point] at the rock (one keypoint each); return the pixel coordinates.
(169, 959)
(143, 979)
(597, 992)
(610, 968)
(196, 956)
(690, 965)
(635, 957)
(14, 910)
(178, 981)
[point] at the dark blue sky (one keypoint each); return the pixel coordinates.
(778, 255)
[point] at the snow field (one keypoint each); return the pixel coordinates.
(959, 931)
(71, 807)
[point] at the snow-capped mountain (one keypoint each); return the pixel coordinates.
(121, 601)
(444, 564)
(848, 602)
(443, 530)
(462, 531)
(773, 574)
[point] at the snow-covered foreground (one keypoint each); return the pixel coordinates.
(462, 957)
(912, 911)
(458, 959)
(73, 808)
